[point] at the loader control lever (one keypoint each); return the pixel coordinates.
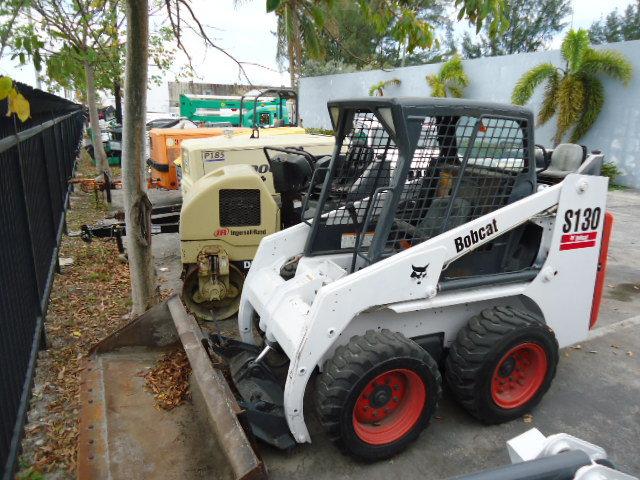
(353, 214)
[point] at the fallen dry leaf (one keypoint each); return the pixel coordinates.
(168, 380)
(528, 418)
(87, 303)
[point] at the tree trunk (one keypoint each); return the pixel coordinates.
(136, 203)
(96, 134)
(117, 95)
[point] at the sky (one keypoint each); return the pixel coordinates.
(247, 32)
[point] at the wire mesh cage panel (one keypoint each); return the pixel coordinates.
(406, 177)
(367, 165)
(463, 167)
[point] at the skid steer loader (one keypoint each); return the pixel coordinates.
(446, 260)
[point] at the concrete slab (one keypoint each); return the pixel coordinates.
(622, 293)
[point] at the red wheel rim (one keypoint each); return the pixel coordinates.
(519, 375)
(389, 406)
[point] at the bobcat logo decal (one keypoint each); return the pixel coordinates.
(419, 272)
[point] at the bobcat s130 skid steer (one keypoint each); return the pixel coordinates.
(445, 260)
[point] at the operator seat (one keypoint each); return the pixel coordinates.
(565, 159)
(291, 176)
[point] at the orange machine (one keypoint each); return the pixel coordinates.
(165, 149)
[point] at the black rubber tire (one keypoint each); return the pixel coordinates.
(351, 368)
(478, 348)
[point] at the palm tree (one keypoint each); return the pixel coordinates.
(574, 92)
(300, 23)
(450, 79)
(377, 89)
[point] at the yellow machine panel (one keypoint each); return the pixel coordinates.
(228, 205)
(202, 156)
(166, 146)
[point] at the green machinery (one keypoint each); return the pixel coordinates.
(111, 142)
(271, 107)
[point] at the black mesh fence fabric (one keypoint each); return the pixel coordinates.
(37, 158)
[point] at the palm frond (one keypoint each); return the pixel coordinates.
(378, 88)
(609, 63)
(570, 100)
(310, 39)
(437, 86)
(451, 78)
(548, 107)
(453, 70)
(593, 104)
(574, 46)
(456, 91)
(318, 14)
(525, 87)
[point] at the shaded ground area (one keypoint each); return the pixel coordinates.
(89, 300)
(595, 394)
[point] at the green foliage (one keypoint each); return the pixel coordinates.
(16, 102)
(481, 12)
(28, 472)
(377, 33)
(617, 27)
(319, 131)
(350, 40)
(611, 170)
(530, 80)
(299, 25)
(574, 94)
(532, 25)
(59, 37)
(573, 48)
(450, 79)
(377, 89)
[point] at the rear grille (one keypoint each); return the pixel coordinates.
(239, 207)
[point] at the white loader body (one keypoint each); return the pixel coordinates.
(323, 306)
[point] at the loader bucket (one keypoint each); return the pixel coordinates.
(123, 435)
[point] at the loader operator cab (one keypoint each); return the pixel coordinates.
(417, 167)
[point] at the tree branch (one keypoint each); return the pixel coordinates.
(205, 37)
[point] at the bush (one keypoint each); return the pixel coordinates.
(611, 170)
(319, 131)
